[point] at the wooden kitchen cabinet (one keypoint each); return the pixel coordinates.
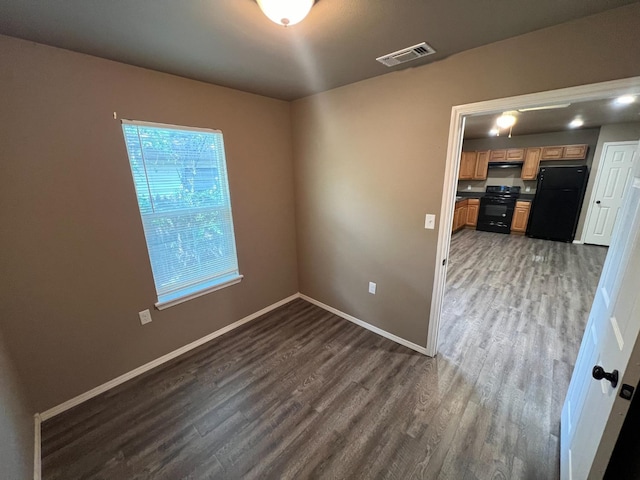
(456, 219)
(498, 155)
(552, 153)
(564, 152)
(515, 155)
(574, 152)
(507, 155)
(460, 215)
(474, 166)
(473, 207)
(531, 163)
(520, 218)
(482, 165)
(467, 165)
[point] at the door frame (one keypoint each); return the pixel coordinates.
(589, 201)
(580, 93)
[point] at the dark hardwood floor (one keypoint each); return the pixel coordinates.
(301, 393)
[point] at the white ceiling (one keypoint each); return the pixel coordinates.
(231, 43)
(594, 114)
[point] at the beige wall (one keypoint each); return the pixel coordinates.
(75, 270)
(370, 160)
(621, 132)
(16, 423)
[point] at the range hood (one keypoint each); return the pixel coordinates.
(505, 164)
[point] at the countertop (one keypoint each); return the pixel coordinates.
(525, 197)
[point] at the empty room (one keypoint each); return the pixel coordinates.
(234, 245)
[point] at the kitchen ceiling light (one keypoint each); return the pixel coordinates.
(285, 12)
(576, 123)
(625, 99)
(506, 120)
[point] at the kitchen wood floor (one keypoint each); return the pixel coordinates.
(301, 393)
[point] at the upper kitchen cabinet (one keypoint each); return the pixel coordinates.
(507, 155)
(564, 152)
(498, 155)
(515, 155)
(577, 152)
(467, 165)
(474, 165)
(482, 166)
(552, 153)
(531, 163)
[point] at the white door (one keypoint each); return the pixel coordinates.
(593, 411)
(614, 175)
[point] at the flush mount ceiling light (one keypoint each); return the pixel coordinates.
(576, 123)
(625, 99)
(286, 12)
(506, 120)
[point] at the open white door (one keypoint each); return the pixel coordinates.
(593, 411)
(612, 181)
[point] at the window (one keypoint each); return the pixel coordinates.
(180, 177)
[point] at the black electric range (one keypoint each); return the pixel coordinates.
(496, 209)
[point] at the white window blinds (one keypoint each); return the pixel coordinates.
(180, 178)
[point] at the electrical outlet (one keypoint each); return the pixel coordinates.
(372, 288)
(468, 187)
(145, 316)
(430, 221)
(527, 189)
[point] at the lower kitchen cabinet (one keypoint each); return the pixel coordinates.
(520, 218)
(473, 207)
(465, 214)
(460, 215)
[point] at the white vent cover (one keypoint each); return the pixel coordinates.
(406, 54)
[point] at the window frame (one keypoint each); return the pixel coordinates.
(221, 280)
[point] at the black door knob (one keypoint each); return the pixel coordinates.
(597, 202)
(599, 373)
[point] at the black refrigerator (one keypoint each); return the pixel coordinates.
(557, 203)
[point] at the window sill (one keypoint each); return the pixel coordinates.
(177, 298)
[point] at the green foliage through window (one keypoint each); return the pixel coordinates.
(181, 184)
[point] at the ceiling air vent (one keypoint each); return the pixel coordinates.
(406, 55)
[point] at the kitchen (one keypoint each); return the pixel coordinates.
(514, 299)
(498, 181)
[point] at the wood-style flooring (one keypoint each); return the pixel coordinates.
(301, 393)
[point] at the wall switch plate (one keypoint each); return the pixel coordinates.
(372, 288)
(527, 189)
(145, 316)
(468, 187)
(430, 221)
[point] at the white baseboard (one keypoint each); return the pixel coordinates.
(52, 412)
(37, 455)
(368, 326)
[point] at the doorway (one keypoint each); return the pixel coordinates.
(612, 179)
(459, 116)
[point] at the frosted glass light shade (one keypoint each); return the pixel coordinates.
(506, 120)
(286, 12)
